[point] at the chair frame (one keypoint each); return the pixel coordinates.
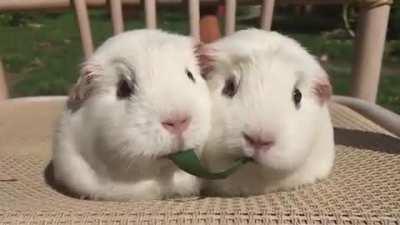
(369, 42)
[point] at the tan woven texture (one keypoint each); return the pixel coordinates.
(363, 189)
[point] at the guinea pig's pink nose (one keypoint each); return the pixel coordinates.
(258, 142)
(177, 124)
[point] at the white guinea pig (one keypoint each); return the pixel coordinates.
(139, 98)
(269, 100)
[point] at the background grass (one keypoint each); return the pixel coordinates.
(42, 51)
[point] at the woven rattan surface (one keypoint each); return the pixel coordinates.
(363, 189)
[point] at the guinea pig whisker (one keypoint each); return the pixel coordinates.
(129, 165)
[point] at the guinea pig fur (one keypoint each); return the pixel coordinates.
(269, 99)
(139, 98)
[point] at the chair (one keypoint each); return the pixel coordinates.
(363, 189)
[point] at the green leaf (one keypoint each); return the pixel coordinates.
(189, 162)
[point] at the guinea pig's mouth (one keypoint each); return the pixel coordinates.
(255, 156)
(167, 155)
(177, 146)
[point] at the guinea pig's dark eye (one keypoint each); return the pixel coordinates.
(230, 88)
(296, 97)
(125, 89)
(190, 75)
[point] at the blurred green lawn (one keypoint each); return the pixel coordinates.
(42, 56)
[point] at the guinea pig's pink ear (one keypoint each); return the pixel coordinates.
(205, 58)
(323, 88)
(84, 86)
